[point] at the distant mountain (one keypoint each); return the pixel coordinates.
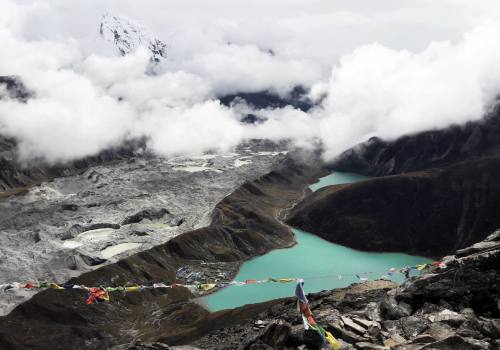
(128, 35)
(424, 150)
(12, 87)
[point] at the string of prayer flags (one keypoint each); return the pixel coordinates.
(308, 318)
(98, 294)
(281, 280)
(419, 267)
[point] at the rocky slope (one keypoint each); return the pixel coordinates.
(435, 148)
(430, 213)
(243, 225)
(453, 308)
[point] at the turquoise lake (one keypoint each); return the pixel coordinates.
(314, 259)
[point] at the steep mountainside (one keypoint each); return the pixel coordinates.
(431, 212)
(424, 150)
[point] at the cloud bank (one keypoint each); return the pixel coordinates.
(379, 77)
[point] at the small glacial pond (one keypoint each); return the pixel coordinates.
(316, 260)
(337, 178)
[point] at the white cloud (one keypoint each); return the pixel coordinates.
(70, 118)
(397, 68)
(389, 93)
(201, 127)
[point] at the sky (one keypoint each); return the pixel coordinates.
(375, 68)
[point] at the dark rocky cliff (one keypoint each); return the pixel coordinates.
(424, 150)
(431, 212)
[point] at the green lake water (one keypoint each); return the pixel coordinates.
(314, 259)
(337, 178)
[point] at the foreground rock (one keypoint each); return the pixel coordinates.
(429, 213)
(452, 308)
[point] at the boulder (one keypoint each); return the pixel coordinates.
(150, 214)
(392, 310)
(423, 339)
(369, 346)
(362, 322)
(259, 345)
(449, 317)
(312, 339)
(353, 326)
(439, 331)
(70, 207)
(92, 260)
(413, 326)
(340, 332)
(453, 342)
(373, 312)
(375, 331)
(276, 334)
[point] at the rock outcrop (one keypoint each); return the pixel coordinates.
(14, 88)
(456, 307)
(430, 213)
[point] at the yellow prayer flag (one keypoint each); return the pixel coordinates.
(286, 280)
(207, 286)
(334, 343)
(133, 289)
(55, 286)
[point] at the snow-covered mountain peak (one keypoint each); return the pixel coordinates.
(127, 35)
